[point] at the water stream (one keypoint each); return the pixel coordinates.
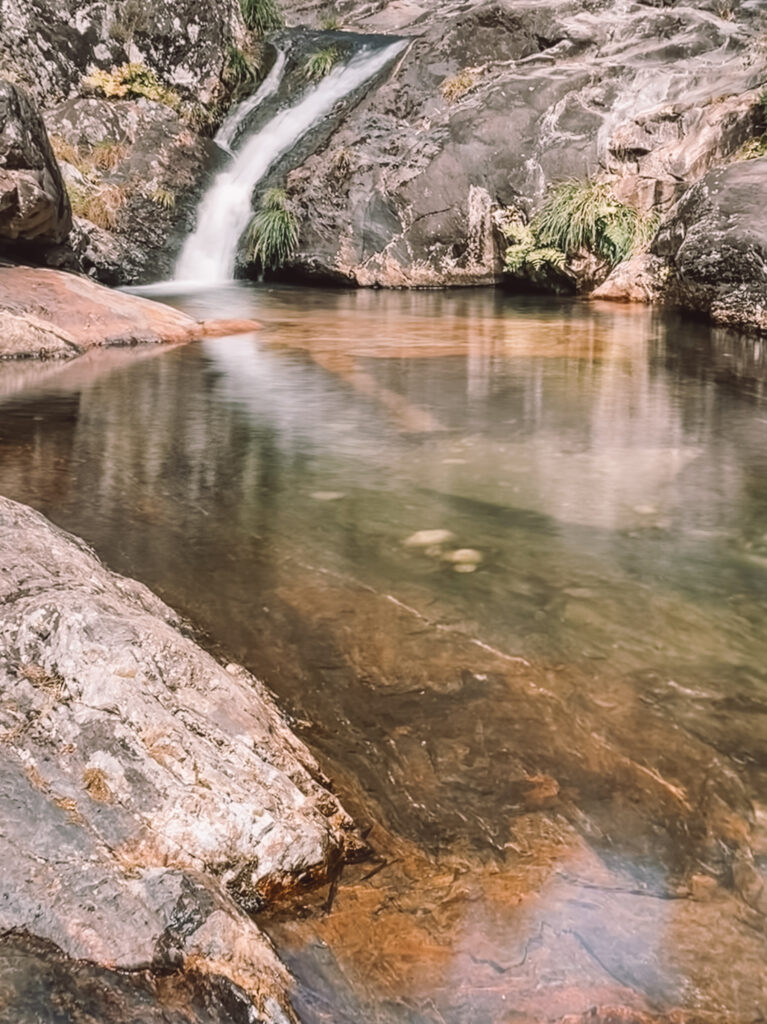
(559, 757)
(208, 255)
(232, 123)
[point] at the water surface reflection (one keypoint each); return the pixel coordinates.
(558, 743)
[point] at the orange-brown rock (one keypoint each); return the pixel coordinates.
(50, 314)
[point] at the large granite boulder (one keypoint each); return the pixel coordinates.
(153, 155)
(34, 205)
(710, 254)
(148, 796)
(496, 99)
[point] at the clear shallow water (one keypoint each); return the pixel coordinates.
(559, 755)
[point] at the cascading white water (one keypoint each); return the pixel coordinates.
(209, 253)
(226, 133)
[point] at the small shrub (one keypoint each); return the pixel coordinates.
(241, 73)
(163, 197)
(330, 21)
(261, 16)
(723, 9)
(454, 88)
(201, 119)
(133, 18)
(524, 251)
(577, 216)
(107, 155)
(68, 153)
(131, 81)
(273, 232)
(341, 162)
(320, 63)
(753, 149)
(104, 156)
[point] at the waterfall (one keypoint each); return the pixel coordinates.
(226, 134)
(209, 253)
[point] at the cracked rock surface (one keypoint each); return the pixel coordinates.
(148, 796)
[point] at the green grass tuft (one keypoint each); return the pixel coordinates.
(586, 215)
(163, 197)
(261, 16)
(320, 63)
(242, 73)
(330, 21)
(273, 232)
(576, 217)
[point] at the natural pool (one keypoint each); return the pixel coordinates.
(556, 739)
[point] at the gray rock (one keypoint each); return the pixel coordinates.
(643, 278)
(25, 335)
(147, 796)
(49, 314)
(34, 205)
(51, 46)
(38, 983)
(495, 100)
(716, 246)
(158, 167)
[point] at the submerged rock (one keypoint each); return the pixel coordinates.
(34, 205)
(464, 556)
(428, 538)
(148, 797)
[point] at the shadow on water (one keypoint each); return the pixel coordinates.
(550, 715)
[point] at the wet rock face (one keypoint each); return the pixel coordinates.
(50, 46)
(716, 244)
(494, 101)
(147, 794)
(33, 201)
